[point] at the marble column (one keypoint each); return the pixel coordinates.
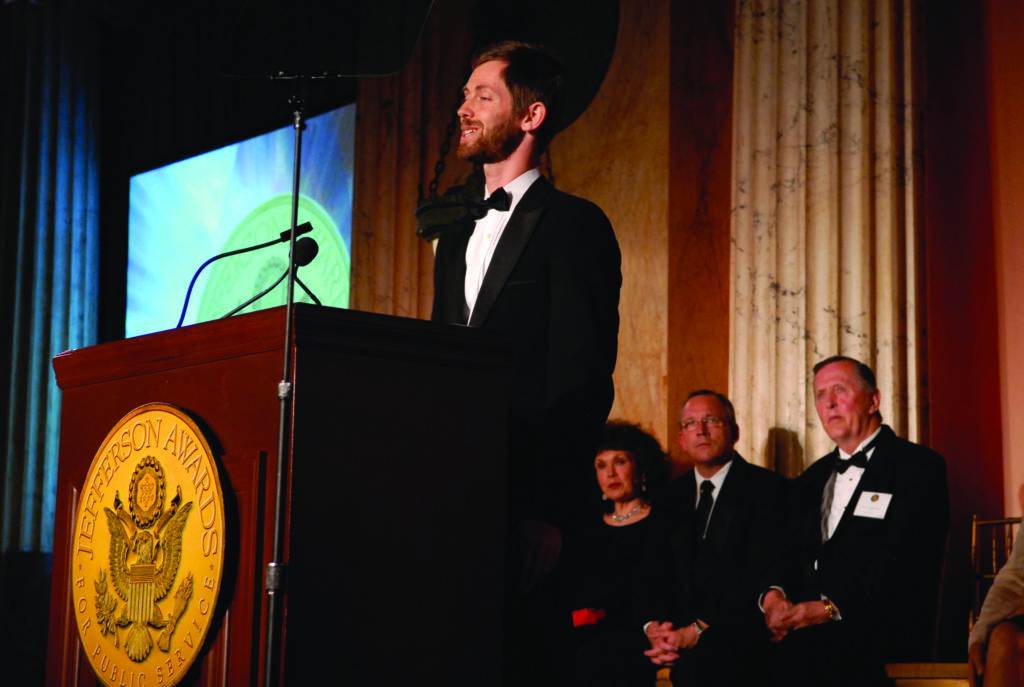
(824, 239)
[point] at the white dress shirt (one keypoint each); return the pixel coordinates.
(846, 483)
(487, 232)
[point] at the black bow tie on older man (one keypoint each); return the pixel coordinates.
(499, 200)
(858, 459)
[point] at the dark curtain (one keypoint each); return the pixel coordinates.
(51, 247)
(49, 212)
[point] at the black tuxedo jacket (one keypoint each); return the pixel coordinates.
(719, 579)
(882, 574)
(551, 290)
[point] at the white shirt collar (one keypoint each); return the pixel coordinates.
(843, 455)
(518, 187)
(716, 479)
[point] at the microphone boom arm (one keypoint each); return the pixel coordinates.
(285, 235)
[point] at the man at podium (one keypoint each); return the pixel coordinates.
(540, 268)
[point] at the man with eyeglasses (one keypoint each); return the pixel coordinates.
(870, 520)
(718, 539)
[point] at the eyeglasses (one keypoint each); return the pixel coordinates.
(691, 424)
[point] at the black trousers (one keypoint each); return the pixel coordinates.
(832, 655)
(537, 628)
(728, 657)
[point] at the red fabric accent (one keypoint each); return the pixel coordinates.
(587, 616)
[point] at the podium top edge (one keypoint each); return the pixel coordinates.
(347, 331)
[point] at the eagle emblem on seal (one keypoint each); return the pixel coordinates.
(145, 554)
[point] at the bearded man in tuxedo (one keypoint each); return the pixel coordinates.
(540, 268)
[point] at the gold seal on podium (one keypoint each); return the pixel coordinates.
(148, 550)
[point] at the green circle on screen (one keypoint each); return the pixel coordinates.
(238, 278)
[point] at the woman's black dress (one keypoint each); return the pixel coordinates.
(601, 565)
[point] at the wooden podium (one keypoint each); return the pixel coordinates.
(395, 492)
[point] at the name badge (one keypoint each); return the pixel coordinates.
(873, 504)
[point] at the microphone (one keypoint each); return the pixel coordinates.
(306, 249)
(285, 235)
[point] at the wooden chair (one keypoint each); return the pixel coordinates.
(991, 543)
(928, 674)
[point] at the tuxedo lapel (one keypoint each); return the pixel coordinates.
(685, 531)
(824, 491)
(711, 553)
(514, 238)
(725, 505)
(684, 536)
(455, 308)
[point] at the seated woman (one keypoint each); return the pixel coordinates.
(995, 648)
(600, 564)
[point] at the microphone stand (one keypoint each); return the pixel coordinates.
(306, 289)
(304, 258)
(270, 288)
(304, 228)
(275, 580)
(253, 29)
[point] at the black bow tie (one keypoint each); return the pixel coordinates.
(858, 459)
(499, 200)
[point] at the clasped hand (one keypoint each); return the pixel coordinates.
(667, 641)
(781, 615)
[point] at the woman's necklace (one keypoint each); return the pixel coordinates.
(628, 514)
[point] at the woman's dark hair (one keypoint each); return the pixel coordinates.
(651, 464)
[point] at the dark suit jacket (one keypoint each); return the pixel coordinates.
(882, 574)
(552, 290)
(717, 580)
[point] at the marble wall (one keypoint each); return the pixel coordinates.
(824, 215)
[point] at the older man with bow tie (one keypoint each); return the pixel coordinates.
(870, 522)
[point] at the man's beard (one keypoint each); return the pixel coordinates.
(491, 145)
